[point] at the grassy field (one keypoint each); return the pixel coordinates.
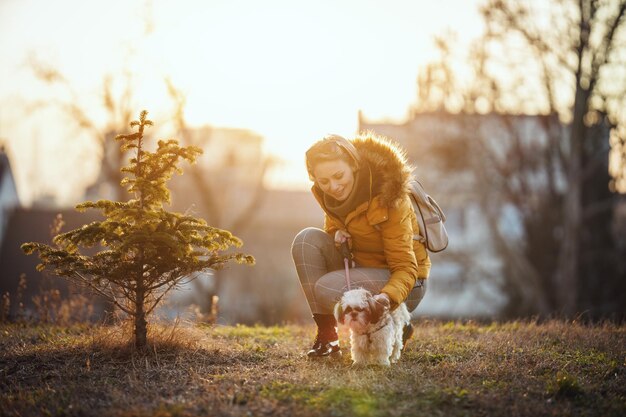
(448, 369)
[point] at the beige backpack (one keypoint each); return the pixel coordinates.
(430, 218)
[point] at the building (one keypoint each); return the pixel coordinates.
(9, 200)
(466, 278)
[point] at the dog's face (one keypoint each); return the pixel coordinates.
(356, 309)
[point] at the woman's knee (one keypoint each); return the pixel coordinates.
(329, 289)
(311, 236)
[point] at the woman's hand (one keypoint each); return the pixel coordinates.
(383, 300)
(342, 236)
(380, 306)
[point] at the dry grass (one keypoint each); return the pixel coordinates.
(449, 369)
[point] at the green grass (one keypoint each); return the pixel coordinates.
(449, 369)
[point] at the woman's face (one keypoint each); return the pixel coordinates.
(334, 178)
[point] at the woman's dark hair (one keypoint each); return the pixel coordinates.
(330, 148)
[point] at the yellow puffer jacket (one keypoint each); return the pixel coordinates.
(382, 228)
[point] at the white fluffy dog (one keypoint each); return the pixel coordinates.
(374, 339)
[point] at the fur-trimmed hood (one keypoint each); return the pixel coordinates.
(391, 172)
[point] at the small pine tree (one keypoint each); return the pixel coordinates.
(147, 250)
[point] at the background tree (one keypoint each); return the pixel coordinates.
(579, 48)
(147, 251)
(116, 99)
(213, 186)
(564, 60)
(207, 179)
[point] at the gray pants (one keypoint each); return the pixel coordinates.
(321, 271)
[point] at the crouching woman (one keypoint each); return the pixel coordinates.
(362, 187)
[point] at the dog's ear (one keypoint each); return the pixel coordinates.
(375, 309)
(339, 316)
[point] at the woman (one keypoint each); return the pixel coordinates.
(362, 187)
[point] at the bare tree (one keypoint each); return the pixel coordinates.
(213, 185)
(118, 108)
(210, 191)
(571, 70)
(580, 52)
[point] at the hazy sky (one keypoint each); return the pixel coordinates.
(289, 70)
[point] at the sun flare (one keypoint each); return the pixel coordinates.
(291, 72)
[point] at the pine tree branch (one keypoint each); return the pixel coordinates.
(109, 297)
(170, 286)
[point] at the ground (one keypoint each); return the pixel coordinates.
(449, 369)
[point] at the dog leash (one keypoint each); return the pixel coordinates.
(345, 252)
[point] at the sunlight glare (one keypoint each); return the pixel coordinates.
(292, 72)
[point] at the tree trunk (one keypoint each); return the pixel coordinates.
(567, 274)
(140, 318)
